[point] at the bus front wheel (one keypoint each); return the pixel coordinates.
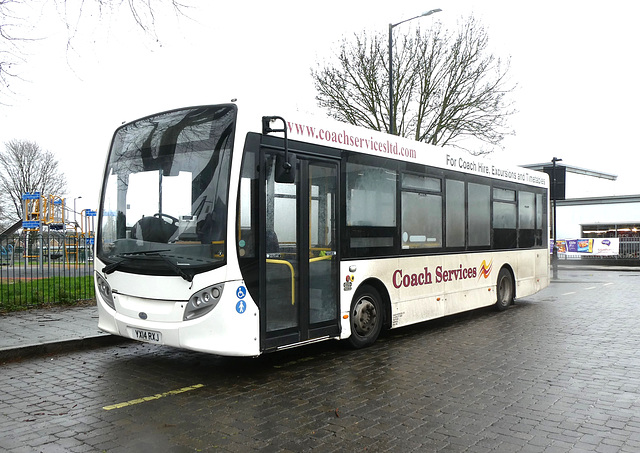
(366, 317)
(505, 290)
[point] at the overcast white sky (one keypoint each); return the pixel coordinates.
(575, 63)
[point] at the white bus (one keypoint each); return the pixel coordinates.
(241, 240)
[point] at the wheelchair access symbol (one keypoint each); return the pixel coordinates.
(241, 306)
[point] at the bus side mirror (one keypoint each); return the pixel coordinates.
(285, 171)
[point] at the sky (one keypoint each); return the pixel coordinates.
(573, 63)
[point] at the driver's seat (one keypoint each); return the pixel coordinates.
(153, 229)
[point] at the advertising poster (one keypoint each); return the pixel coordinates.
(590, 247)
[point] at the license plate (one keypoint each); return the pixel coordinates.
(147, 335)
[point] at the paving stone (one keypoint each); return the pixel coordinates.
(557, 372)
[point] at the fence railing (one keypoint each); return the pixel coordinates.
(44, 268)
(629, 248)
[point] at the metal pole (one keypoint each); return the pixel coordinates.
(391, 120)
(392, 128)
(75, 231)
(554, 195)
(40, 237)
(75, 222)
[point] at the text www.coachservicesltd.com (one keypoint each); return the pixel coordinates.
(343, 138)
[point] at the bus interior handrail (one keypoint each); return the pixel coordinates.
(293, 274)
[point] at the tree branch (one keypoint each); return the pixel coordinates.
(448, 87)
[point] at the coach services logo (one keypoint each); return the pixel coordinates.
(401, 278)
(425, 277)
(485, 269)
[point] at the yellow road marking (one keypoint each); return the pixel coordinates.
(151, 398)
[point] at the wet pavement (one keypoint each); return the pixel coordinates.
(557, 372)
(48, 330)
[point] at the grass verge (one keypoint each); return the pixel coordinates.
(24, 294)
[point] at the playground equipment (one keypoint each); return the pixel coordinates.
(6, 254)
(67, 237)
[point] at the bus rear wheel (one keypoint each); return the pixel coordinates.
(366, 317)
(505, 290)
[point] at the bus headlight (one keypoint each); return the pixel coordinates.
(105, 291)
(203, 302)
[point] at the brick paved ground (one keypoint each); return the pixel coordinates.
(558, 372)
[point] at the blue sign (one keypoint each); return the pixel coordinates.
(57, 202)
(241, 292)
(31, 224)
(241, 306)
(90, 241)
(90, 213)
(31, 196)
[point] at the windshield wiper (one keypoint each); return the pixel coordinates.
(109, 268)
(176, 268)
(142, 252)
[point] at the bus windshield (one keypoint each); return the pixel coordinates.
(164, 199)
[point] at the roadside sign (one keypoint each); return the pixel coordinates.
(31, 224)
(31, 196)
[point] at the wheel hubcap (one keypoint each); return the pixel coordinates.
(505, 290)
(364, 316)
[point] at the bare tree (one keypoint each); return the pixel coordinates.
(143, 12)
(27, 168)
(448, 87)
(10, 51)
(15, 32)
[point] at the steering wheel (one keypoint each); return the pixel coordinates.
(174, 221)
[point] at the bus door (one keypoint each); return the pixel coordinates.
(299, 268)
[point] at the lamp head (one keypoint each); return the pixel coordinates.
(431, 11)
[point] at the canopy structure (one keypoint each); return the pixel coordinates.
(573, 169)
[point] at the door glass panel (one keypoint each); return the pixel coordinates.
(281, 252)
(323, 265)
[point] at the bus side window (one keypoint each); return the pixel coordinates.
(369, 186)
(421, 212)
(455, 213)
(504, 218)
(370, 210)
(526, 219)
(541, 217)
(479, 217)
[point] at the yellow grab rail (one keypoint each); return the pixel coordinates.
(320, 258)
(293, 274)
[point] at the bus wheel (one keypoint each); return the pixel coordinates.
(366, 317)
(505, 290)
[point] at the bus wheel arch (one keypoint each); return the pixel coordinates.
(505, 288)
(368, 314)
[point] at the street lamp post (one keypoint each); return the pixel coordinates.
(75, 229)
(74, 211)
(392, 128)
(554, 196)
